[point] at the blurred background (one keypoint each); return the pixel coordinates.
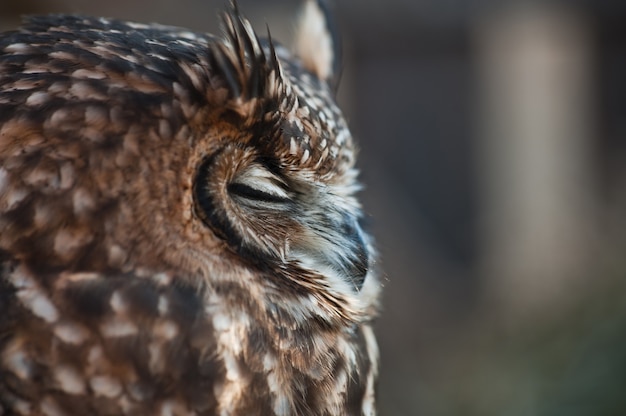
(493, 150)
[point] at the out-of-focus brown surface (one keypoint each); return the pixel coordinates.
(493, 139)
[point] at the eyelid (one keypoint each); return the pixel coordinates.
(259, 183)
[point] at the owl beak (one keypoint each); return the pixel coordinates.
(356, 264)
(338, 247)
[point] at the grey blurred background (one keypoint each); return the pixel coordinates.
(493, 150)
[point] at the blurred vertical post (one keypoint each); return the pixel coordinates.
(535, 124)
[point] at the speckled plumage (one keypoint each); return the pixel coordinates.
(179, 233)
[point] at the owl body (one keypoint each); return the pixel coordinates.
(179, 233)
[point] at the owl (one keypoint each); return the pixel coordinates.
(179, 227)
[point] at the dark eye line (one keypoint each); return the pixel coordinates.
(245, 191)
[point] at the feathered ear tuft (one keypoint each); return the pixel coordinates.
(317, 42)
(242, 62)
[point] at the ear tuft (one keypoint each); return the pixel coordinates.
(317, 43)
(248, 71)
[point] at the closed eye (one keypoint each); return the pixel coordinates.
(248, 192)
(257, 184)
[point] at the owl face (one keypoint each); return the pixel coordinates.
(291, 222)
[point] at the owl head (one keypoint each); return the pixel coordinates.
(279, 185)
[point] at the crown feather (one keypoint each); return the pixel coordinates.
(242, 61)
